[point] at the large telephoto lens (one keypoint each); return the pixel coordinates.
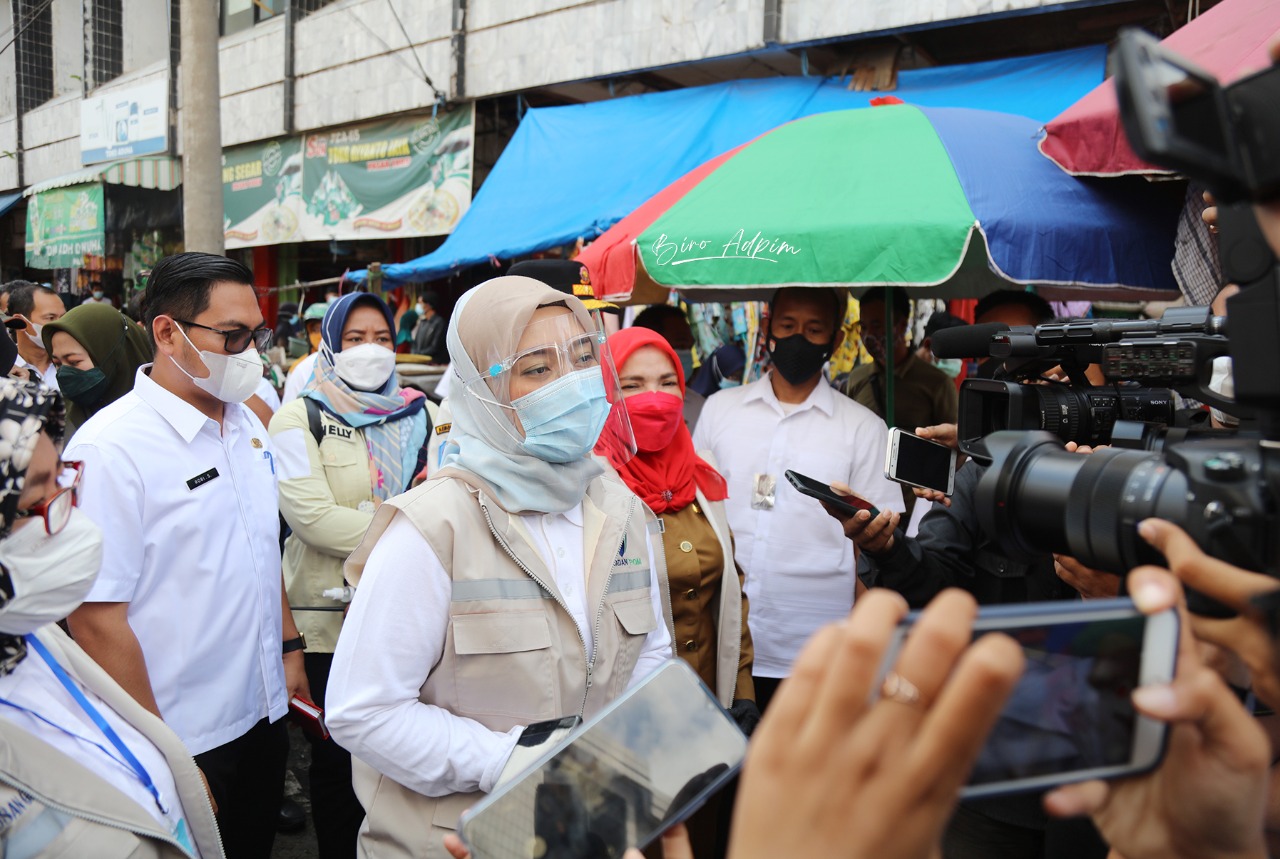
(1037, 498)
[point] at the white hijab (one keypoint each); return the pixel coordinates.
(489, 320)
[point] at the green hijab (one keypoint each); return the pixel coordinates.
(116, 344)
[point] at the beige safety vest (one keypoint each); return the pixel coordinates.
(512, 654)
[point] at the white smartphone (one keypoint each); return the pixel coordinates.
(921, 462)
(1071, 718)
(646, 762)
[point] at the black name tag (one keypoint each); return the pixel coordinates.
(202, 479)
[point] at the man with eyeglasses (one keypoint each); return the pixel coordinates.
(187, 614)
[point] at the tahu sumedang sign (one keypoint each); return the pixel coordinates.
(65, 224)
(402, 177)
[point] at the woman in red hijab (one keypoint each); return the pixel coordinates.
(687, 493)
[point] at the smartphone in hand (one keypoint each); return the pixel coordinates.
(1071, 717)
(920, 462)
(846, 504)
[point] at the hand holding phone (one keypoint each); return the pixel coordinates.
(1203, 801)
(641, 765)
(823, 751)
(920, 462)
(1070, 717)
(845, 504)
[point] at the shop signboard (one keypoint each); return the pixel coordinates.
(125, 123)
(262, 193)
(65, 224)
(404, 177)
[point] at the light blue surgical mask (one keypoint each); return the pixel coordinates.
(563, 419)
(729, 383)
(950, 366)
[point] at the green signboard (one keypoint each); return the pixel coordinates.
(262, 193)
(403, 177)
(65, 224)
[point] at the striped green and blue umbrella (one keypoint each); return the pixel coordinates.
(951, 198)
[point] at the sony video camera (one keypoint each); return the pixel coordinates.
(1174, 351)
(1223, 490)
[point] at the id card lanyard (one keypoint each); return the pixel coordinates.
(58, 671)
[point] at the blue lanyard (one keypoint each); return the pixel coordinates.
(92, 711)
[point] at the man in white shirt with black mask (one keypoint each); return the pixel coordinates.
(798, 574)
(187, 614)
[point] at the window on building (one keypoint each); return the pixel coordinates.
(305, 6)
(33, 20)
(104, 49)
(240, 15)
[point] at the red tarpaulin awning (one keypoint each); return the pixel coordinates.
(1230, 40)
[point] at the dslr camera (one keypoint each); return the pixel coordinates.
(1223, 489)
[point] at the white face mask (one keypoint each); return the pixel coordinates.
(232, 378)
(51, 576)
(366, 367)
(35, 338)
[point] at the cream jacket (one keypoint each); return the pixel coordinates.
(52, 806)
(513, 654)
(321, 504)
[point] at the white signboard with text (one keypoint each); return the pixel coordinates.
(125, 123)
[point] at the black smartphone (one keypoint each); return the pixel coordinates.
(847, 504)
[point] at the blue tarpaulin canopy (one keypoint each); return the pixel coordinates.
(574, 171)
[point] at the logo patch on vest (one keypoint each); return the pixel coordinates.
(340, 432)
(622, 560)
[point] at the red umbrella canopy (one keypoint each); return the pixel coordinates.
(1230, 40)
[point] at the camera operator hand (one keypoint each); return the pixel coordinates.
(1207, 798)
(1248, 635)
(872, 535)
(1091, 584)
(834, 771)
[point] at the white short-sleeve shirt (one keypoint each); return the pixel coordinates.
(799, 565)
(190, 540)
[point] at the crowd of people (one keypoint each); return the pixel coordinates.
(184, 559)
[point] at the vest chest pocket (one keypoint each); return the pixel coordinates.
(636, 615)
(505, 665)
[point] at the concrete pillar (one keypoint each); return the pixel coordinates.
(201, 128)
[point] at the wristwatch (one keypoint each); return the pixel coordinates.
(299, 643)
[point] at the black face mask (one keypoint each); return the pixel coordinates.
(798, 359)
(85, 388)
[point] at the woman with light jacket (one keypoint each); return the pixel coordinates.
(84, 769)
(353, 439)
(517, 585)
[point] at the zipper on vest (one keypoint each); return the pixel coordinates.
(157, 834)
(661, 549)
(589, 658)
(626, 526)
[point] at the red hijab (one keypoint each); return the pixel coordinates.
(666, 478)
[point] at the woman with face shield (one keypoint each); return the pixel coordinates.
(353, 439)
(517, 586)
(84, 769)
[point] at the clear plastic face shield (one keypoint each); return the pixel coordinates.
(557, 395)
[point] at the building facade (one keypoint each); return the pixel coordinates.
(297, 67)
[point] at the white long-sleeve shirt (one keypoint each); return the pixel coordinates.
(798, 563)
(394, 635)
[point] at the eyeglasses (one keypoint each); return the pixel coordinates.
(236, 340)
(56, 511)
